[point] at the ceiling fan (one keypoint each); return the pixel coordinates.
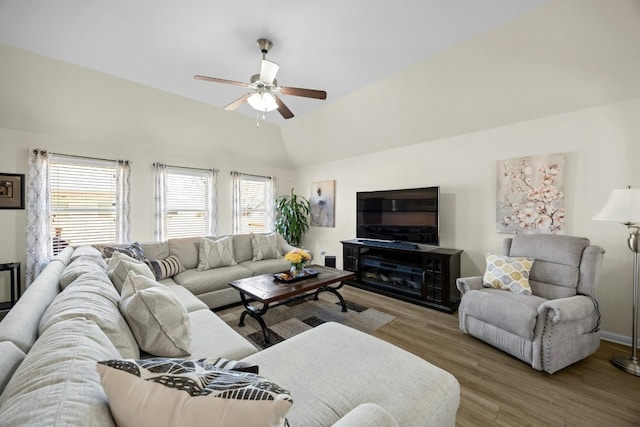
(264, 89)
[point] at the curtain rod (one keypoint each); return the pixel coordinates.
(250, 174)
(35, 150)
(185, 167)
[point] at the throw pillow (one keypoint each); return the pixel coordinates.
(265, 246)
(164, 268)
(172, 392)
(216, 253)
(233, 365)
(134, 250)
(158, 320)
(119, 267)
(511, 273)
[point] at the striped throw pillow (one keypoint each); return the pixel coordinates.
(164, 268)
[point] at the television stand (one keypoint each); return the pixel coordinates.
(389, 244)
(405, 271)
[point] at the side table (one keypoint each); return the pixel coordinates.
(16, 287)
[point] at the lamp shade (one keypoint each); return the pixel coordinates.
(622, 206)
(262, 102)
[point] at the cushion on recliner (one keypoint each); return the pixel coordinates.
(514, 313)
(557, 260)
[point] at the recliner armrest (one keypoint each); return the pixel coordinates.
(466, 284)
(570, 309)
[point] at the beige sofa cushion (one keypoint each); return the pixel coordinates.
(199, 282)
(81, 266)
(95, 300)
(186, 248)
(391, 378)
(211, 336)
(367, 415)
(57, 383)
(158, 321)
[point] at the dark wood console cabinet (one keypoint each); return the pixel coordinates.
(404, 271)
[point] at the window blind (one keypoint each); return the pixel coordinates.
(253, 212)
(188, 201)
(83, 201)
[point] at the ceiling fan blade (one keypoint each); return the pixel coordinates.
(283, 109)
(214, 79)
(307, 93)
(237, 103)
(268, 71)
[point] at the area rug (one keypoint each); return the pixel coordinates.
(289, 319)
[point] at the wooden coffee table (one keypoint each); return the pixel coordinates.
(266, 289)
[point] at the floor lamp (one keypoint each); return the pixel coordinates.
(624, 206)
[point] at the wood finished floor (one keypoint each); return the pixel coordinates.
(499, 390)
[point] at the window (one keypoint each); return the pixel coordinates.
(85, 203)
(253, 204)
(185, 202)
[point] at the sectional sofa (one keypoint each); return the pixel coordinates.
(80, 311)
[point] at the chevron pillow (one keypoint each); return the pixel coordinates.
(216, 253)
(510, 273)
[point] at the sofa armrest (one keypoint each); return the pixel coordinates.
(570, 309)
(286, 247)
(466, 284)
(367, 415)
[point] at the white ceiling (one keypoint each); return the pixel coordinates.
(338, 46)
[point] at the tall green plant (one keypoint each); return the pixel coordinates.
(292, 217)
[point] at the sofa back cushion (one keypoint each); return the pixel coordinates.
(57, 383)
(186, 249)
(556, 269)
(155, 250)
(94, 299)
(242, 247)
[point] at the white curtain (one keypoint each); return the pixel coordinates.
(160, 211)
(38, 239)
(270, 224)
(236, 208)
(123, 206)
(212, 197)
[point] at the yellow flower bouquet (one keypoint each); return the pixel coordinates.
(298, 258)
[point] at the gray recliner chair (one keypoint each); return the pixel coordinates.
(559, 324)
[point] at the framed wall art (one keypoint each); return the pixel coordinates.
(530, 195)
(11, 191)
(321, 203)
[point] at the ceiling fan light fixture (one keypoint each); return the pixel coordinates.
(262, 102)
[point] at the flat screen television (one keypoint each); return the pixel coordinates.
(409, 215)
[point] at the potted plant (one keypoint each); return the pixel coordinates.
(292, 217)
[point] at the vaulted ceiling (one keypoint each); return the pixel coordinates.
(396, 73)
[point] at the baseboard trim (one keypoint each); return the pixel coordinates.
(616, 338)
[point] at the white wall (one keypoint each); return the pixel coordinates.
(14, 148)
(601, 147)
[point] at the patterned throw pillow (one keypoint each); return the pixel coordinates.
(158, 320)
(178, 392)
(121, 264)
(164, 268)
(134, 250)
(503, 272)
(216, 253)
(265, 246)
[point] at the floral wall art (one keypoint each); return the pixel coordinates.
(530, 195)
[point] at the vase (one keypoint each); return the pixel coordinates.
(297, 270)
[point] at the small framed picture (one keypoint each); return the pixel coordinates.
(11, 191)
